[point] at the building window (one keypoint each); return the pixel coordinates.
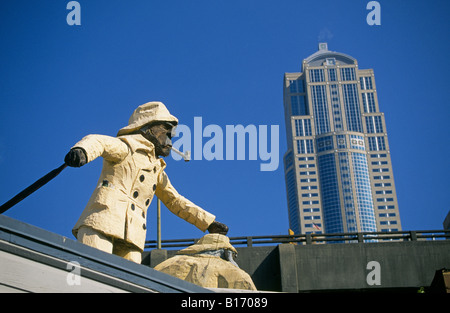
(385, 199)
(341, 142)
(310, 202)
(296, 86)
(332, 74)
(374, 124)
(383, 192)
(366, 83)
(376, 143)
(316, 75)
(307, 180)
(308, 187)
(368, 102)
(311, 210)
(382, 155)
(352, 110)
(380, 163)
(307, 165)
(387, 215)
(320, 108)
(388, 223)
(292, 86)
(324, 143)
(299, 105)
(348, 73)
(308, 173)
(383, 185)
(303, 127)
(305, 146)
(357, 142)
(386, 207)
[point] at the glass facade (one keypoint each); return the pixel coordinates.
(320, 108)
(339, 174)
(336, 107)
(292, 201)
(298, 104)
(331, 199)
(351, 105)
(363, 192)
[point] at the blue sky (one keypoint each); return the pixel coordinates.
(223, 61)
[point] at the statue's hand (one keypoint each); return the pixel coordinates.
(218, 228)
(76, 157)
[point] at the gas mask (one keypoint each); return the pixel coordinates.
(160, 134)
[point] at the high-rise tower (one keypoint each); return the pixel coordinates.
(338, 167)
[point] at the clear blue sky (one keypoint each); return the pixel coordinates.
(223, 61)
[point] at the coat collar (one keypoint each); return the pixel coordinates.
(138, 142)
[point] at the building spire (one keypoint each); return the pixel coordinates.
(323, 46)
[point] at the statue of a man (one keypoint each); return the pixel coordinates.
(114, 219)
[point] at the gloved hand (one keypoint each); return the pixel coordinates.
(76, 157)
(218, 228)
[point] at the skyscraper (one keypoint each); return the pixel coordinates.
(338, 168)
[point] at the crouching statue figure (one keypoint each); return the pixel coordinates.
(208, 263)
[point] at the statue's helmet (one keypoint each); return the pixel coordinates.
(148, 113)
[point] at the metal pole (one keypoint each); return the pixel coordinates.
(158, 226)
(187, 157)
(32, 188)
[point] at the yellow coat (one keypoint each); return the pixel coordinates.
(130, 177)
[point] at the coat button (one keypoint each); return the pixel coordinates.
(154, 169)
(144, 227)
(143, 214)
(132, 206)
(142, 178)
(154, 187)
(135, 194)
(147, 202)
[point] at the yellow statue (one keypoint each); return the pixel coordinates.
(114, 219)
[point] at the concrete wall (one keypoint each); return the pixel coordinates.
(370, 265)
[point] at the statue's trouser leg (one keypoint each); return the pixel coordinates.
(95, 239)
(127, 251)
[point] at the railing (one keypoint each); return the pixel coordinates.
(363, 237)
